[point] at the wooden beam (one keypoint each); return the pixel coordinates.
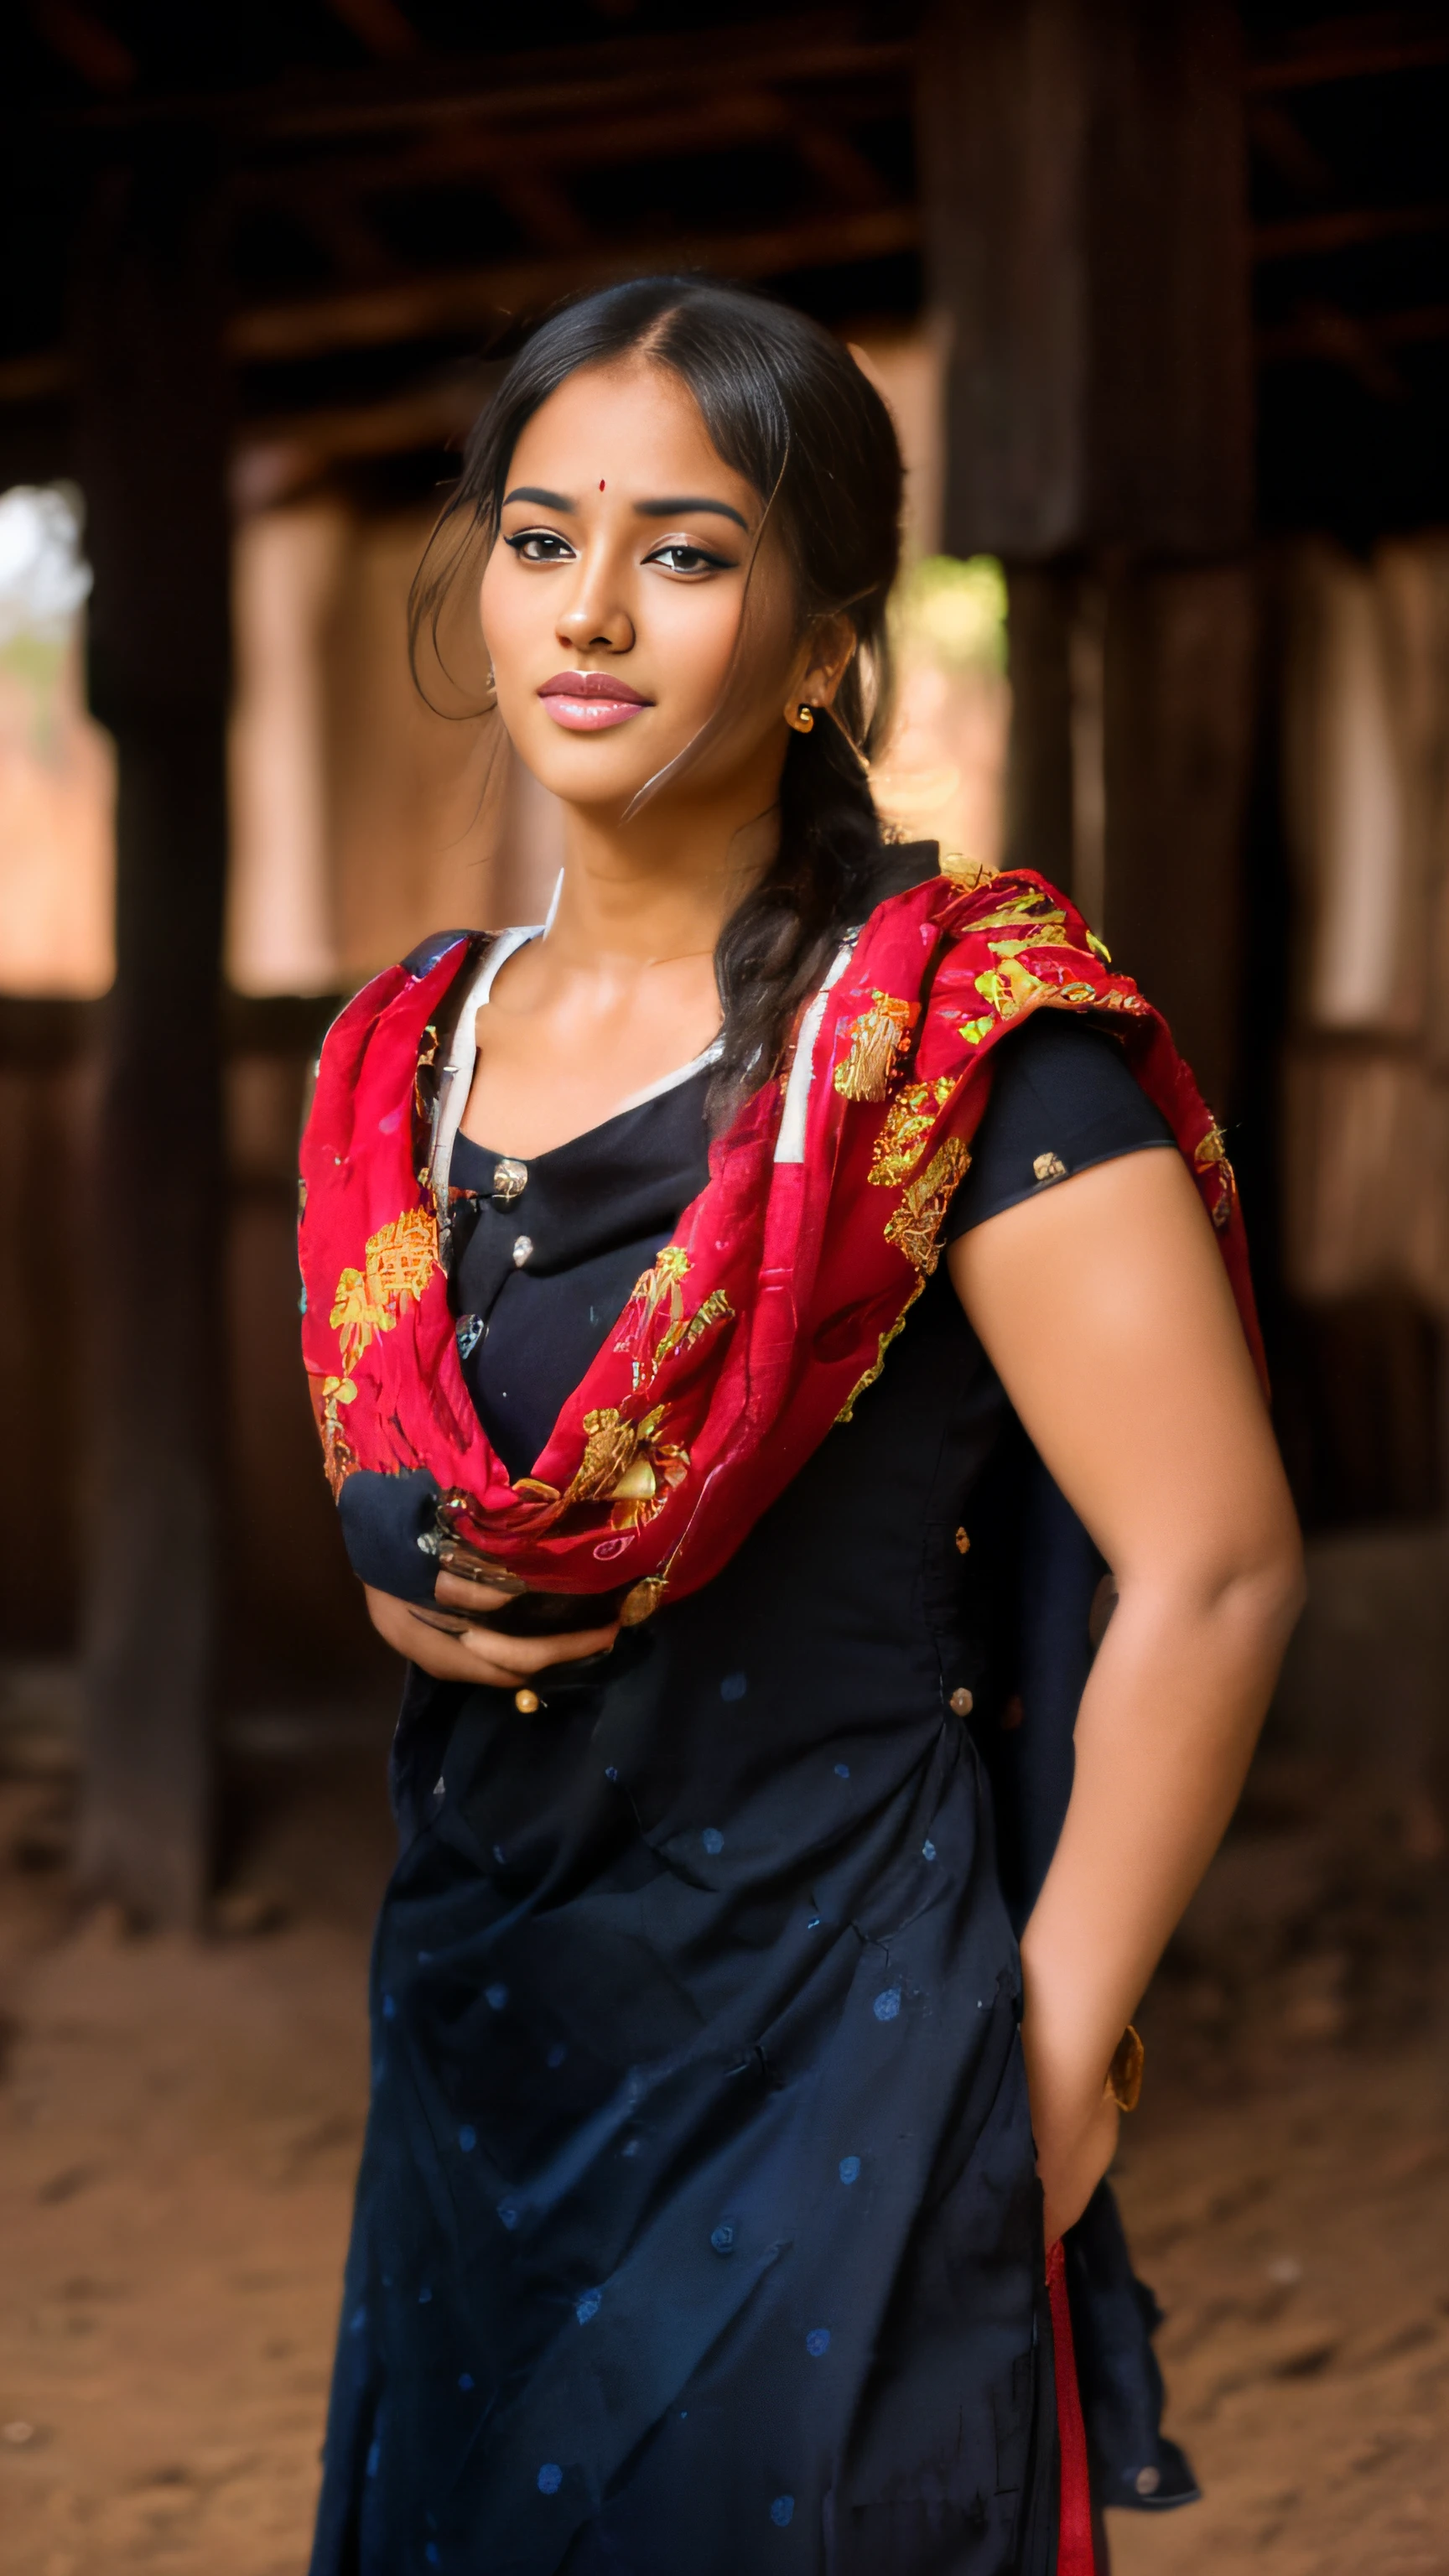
(603, 78)
(478, 149)
(1322, 330)
(151, 441)
(1313, 236)
(1342, 49)
(1085, 205)
(469, 300)
(381, 26)
(85, 44)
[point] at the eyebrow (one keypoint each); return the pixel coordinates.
(677, 509)
(667, 509)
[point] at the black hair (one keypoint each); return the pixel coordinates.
(787, 407)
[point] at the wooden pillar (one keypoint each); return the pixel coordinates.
(1084, 178)
(150, 456)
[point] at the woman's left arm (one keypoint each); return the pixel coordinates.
(1106, 1311)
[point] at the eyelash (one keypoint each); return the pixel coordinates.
(702, 559)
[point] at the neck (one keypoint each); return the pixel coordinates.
(661, 886)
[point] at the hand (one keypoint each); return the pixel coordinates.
(1072, 2155)
(455, 1644)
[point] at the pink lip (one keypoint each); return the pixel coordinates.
(590, 701)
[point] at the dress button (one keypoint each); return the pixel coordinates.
(962, 1702)
(510, 1180)
(522, 1251)
(526, 1703)
(1147, 2481)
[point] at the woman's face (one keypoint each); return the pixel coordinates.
(613, 597)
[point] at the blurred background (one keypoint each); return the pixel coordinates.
(1158, 292)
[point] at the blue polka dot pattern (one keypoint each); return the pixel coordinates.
(550, 2478)
(734, 1686)
(888, 2004)
(722, 2238)
(556, 2054)
(389, 2008)
(817, 2341)
(508, 2215)
(782, 2511)
(850, 2168)
(928, 1851)
(467, 2140)
(423, 2297)
(610, 1772)
(357, 2321)
(588, 2306)
(465, 2380)
(431, 2554)
(712, 1839)
(842, 1770)
(495, 1997)
(374, 2456)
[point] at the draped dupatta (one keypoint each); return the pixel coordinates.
(771, 1310)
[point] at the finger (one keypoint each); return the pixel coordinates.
(462, 1592)
(514, 1659)
(441, 1627)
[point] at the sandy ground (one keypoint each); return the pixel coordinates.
(180, 2127)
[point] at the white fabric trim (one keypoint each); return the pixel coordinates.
(457, 1074)
(790, 1143)
(669, 1081)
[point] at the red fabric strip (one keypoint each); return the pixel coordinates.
(1076, 2555)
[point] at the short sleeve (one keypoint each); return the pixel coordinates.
(1063, 1098)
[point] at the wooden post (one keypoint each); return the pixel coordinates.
(1085, 203)
(150, 453)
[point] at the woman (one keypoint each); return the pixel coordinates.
(700, 2223)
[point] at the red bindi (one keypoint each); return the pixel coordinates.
(601, 482)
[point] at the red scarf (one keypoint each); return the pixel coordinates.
(788, 1277)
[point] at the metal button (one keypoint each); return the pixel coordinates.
(962, 1702)
(1049, 1167)
(1147, 2481)
(510, 1180)
(522, 1251)
(526, 1703)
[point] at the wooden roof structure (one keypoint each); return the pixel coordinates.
(401, 184)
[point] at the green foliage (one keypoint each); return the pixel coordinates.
(954, 612)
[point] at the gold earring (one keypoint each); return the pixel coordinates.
(805, 717)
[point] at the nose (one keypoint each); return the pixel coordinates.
(596, 621)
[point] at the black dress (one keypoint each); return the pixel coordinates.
(697, 2229)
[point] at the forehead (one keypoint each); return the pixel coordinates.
(636, 428)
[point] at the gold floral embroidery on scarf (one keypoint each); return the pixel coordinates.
(868, 1376)
(628, 1465)
(662, 1286)
(967, 873)
(876, 1039)
(1210, 1154)
(1036, 921)
(906, 1125)
(398, 1262)
(338, 1459)
(916, 1223)
(1009, 988)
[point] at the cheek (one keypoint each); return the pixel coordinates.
(504, 608)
